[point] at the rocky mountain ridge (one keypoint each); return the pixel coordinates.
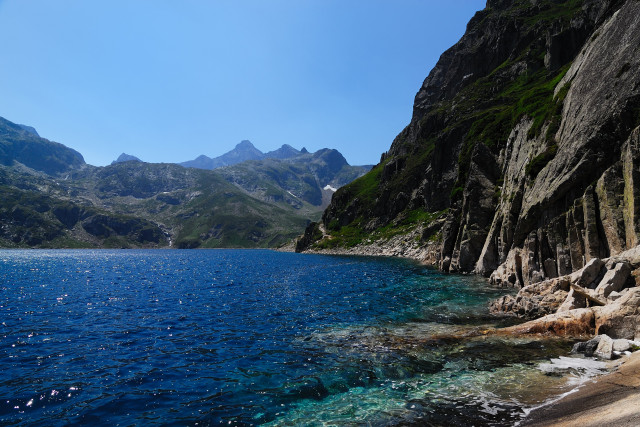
(520, 160)
(51, 198)
(242, 152)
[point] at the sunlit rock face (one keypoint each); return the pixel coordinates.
(525, 139)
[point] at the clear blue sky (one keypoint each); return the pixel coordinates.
(169, 80)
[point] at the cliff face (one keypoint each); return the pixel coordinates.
(524, 139)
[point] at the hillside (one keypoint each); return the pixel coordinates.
(520, 160)
(51, 198)
(21, 145)
(304, 177)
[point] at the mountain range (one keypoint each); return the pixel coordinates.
(52, 198)
(242, 152)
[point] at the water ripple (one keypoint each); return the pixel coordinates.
(246, 338)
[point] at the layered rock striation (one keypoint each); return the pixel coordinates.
(525, 136)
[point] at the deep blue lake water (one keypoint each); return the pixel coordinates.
(244, 337)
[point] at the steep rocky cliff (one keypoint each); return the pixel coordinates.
(521, 160)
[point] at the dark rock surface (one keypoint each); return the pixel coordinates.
(527, 134)
(586, 347)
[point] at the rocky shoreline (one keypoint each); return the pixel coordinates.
(545, 200)
(601, 300)
(407, 245)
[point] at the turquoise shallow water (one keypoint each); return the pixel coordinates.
(241, 337)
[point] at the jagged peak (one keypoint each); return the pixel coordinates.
(124, 157)
(245, 143)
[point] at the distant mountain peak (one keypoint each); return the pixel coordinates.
(245, 151)
(284, 152)
(29, 129)
(242, 152)
(124, 157)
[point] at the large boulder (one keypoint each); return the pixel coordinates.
(587, 347)
(573, 301)
(614, 279)
(620, 318)
(588, 274)
(605, 348)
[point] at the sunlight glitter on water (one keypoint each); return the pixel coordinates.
(252, 337)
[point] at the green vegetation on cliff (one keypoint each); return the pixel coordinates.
(505, 83)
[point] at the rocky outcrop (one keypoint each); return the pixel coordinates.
(573, 323)
(536, 300)
(583, 302)
(136, 229)
(407, 245)
(527, 132)
(581, 205)
(31, 219)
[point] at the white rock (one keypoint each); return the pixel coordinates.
(621, 345)
(614, 279)
(614, 295)
(605, 348)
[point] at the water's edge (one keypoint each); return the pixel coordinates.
(259, 337)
